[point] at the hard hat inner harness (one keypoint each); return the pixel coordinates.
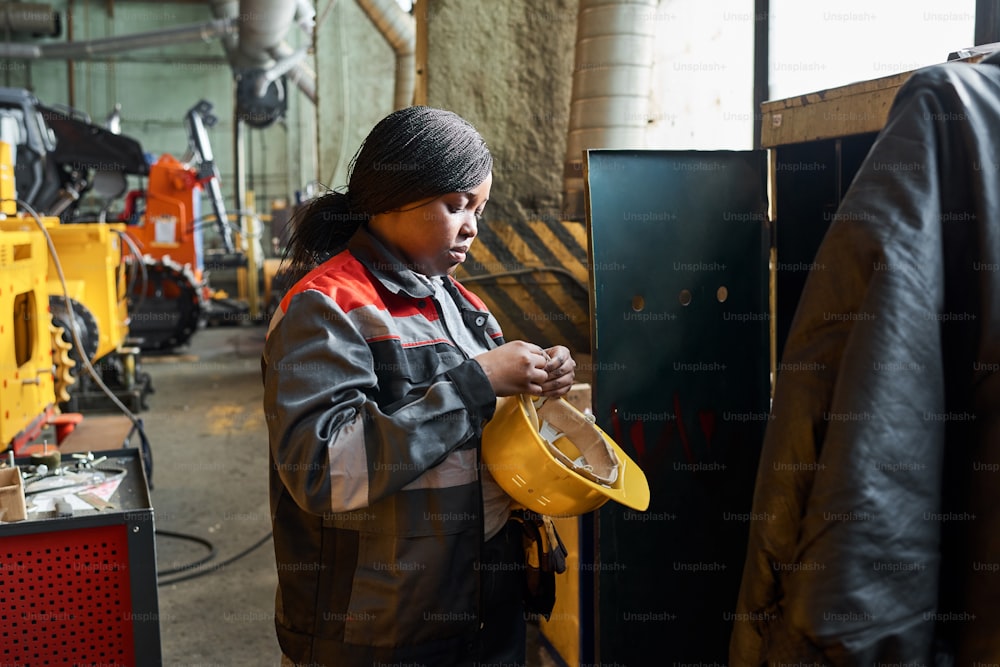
(574, 442)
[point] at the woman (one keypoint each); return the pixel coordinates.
(380, 370)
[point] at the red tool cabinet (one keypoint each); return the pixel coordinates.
(81, 590)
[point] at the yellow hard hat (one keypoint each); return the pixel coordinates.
(553, 459)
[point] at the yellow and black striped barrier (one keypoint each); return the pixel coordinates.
(533, 276)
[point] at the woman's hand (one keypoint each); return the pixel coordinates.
(561, 371)
(519, 367)
(516, 367)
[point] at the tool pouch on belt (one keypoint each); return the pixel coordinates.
(545, 556)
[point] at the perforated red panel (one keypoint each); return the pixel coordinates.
(65, 598)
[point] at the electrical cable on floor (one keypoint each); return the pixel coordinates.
(191, 538)
(206, 570)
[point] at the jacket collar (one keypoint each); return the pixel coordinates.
(385, 266)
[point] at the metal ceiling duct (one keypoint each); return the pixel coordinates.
(263, 26)
(292, 64)
(227, 9)
(30, 17)
(95, 48)
(252, 32)
(261, 43)
(399, 29)
(609, 107)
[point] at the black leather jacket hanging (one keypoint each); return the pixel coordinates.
(880, 471)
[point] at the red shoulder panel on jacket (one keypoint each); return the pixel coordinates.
(344, 279)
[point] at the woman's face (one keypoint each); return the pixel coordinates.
(433, 236)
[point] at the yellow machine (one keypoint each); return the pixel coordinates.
(7, 187)
(57, 324)
(27, 393)
(90, 315)
(94, 311)
(27, 387)
(91, 259)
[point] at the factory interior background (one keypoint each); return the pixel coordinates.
(221, 117)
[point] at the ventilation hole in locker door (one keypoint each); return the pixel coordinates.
(66, 598)
(684, 297)
(638, 303)
(722, 294)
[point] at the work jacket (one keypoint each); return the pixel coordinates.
(375, 418)
(878, 485)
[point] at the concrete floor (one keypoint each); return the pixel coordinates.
(206, 429)
(208, 437)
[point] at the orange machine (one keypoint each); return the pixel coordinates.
(168, 227)
(170, 294)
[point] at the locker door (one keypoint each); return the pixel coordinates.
(680, 339)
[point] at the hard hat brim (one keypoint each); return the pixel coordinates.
(521, 463)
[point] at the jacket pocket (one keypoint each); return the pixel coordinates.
(401, 370)
(413, 590)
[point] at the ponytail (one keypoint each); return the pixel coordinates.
(320, 230)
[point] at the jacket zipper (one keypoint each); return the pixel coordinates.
(473, 644)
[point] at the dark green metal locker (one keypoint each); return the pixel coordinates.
(679, 244)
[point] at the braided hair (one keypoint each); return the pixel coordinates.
(412, 154)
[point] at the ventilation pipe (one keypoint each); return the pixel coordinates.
(609, 107)
(263, 26)
(29, 17)
(199, 32)
(230, 10)
(259, 58)
(291, 63)
(261, 43)
(399, 29)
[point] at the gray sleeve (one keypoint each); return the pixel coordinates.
(334, 447)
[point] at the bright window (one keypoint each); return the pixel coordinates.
(820, 45)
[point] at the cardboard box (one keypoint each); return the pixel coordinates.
(579, 397)
(12, 503)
